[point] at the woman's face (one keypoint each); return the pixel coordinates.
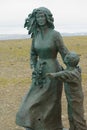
(41, 19)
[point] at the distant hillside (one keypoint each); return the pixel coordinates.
(25, 36)
(13, 36)
(75, 34)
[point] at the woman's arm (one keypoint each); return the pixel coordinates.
(33, 56)
(60, 45)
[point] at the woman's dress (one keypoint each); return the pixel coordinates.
(41, 107)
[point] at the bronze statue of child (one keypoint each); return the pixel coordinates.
(73, 90)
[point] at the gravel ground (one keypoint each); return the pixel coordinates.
(15, 79)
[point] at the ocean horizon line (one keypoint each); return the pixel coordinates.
(26, 36)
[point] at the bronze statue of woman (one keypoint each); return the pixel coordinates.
(41, 107)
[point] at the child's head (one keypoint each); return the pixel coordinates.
(72, 59)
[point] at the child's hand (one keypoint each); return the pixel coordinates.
(50, 75)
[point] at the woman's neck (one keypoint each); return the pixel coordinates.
(44, 29)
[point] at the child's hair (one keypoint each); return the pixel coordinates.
(72, 59)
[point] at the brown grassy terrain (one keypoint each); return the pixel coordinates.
(15, 77)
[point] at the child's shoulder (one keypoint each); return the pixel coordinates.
(74, 71)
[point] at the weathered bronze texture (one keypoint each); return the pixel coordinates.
(41, 107)
(71, 77)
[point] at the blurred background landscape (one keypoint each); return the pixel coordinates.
(70, 20)
(15, 77)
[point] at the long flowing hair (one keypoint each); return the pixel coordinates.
(31, 23)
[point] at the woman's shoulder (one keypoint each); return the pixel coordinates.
(56, 33)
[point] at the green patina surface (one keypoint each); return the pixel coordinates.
(72, 79)
(41, 107)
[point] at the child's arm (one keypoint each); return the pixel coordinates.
(60, 75)
(66, 76)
